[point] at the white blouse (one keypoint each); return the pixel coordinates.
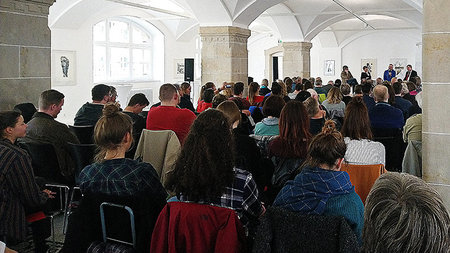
(364, 152)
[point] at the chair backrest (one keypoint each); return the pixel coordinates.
(197, 228)
(160, 149)
(82, 154)
(363, 177)
(392, 139)
(85, 134)
(44, 161)
(284, 231)
(114, 212)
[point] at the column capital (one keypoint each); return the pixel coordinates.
(34, 7)
(224, 33)
(296, 46)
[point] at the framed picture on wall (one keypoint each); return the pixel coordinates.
(372, 65)
(178, 68)
(399, 64)
(64, 67)
(328, 69)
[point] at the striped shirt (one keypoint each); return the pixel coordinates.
(364, 152)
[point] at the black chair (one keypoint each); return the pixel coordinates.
(85, 134)
(395, 147)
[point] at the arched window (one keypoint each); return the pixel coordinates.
(122, 51)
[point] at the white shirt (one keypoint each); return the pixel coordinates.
(364, 152)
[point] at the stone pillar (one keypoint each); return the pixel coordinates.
(436, 96)
(25, 51)
(296, 59)
(224, 54)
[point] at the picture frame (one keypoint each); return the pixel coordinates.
(179, 68)
(64, 67)
(372, 65)
(329, 67)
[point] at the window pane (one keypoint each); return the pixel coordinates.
(119, 63)
(141, 60)
(99, 63)
(118, 31)
(140, 37)
(141, 70)
(99, 31)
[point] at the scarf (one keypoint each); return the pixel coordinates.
(309, 192)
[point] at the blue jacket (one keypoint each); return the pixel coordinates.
(383, 115)
(386, 76)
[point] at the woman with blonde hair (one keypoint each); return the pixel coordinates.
(334, 104)
(315, 114)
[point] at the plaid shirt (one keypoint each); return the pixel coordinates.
(121, 177)
(241, 196)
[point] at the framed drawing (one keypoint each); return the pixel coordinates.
(179, 68)
(64, 68)
(372, 65)
(399, 64)
(328, 68)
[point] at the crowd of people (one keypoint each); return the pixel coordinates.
(282, 145)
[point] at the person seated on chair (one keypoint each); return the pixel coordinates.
(321, 188)
(89, 113)
(271, 110)
(400, 102)
(205, 172)
(44, 128)
(405, 214)
(185, 100)
(20, 193)
(238, 90)
(334, 104)
(358, 136)
(137, 103)
(383, 115)
(206, 103)
(168, 116)
(315, 114)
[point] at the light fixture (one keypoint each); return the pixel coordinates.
(354, 14)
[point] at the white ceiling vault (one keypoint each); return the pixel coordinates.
(293, 20)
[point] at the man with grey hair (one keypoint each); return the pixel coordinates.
(404, 214)
(44, 128)
(383, 115)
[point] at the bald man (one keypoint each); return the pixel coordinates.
(383, 115)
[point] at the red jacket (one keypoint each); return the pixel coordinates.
(190, 227)
(202, 105)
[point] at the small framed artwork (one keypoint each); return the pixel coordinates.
(371, 64)
(328, 68)
(179, 68)
(64, 67)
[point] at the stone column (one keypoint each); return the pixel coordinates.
(25, 51)
(296, 59)
(436, 96)
(224, 54)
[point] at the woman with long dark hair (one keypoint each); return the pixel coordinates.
(321, 188)
(253, 94)
(205, 172)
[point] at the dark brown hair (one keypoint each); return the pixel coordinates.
(294, 128)
(205, 166)
(8, 119)
(326, 147)
(252, 92)
(273, 106)
(356, 121)
(110, 130)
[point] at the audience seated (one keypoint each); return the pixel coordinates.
(114, 175)
(206, 103)
(271, 110)
(412, 134)
(44, 128)
(316, 115)
(27, 110)
(319, 89)
(168, 116)
(400, 102)
(264, 87)
(321, 188)
(241, 102)
(89, 113)
(383, 115)
(135, 106)
(218, 99)
(345, 90)
(335, 106)
(358, 136)
(208, 85)
(20, 193)
(204, 172)
(185, 100)
(405, 214)
(253, 94)
(368, 100)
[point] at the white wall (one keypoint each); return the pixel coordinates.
(256, 56)
(80, 41)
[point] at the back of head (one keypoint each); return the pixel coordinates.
(312, 106)
(345, 89)
(380, 93)
(204, 167)
(99, 91)
(273, 106)
(326, 147)
(366, 88)
(238, 88)
(337, 82)
(358, 89)
(184, 86)
(404, 214)
(110, 130)
(319, 82)
(8, 119)
(208, 85)
(334, 96)
(26, 109)
(276, 88)
(298, 86)
(397, 88)
(208, 95)
(294, 126)
(356, 121)
(411, 86)
(138, 99)
(166, 92)
(231, 111)
(302, 96)
(217, 99)
(308, 85)
(48, 98)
